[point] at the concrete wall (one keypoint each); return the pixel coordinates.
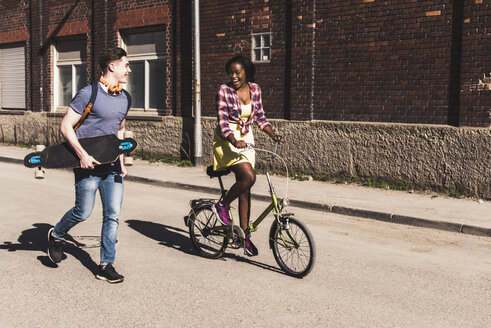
(427, 156)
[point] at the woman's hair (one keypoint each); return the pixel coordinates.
(248, 66)
(109, 56)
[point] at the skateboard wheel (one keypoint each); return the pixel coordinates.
(39, 173)
(128, 134)
(39, 148)
(128, 160)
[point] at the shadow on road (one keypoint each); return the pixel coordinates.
(35, 239)
(179, 239)
(255, 263)
(166, 235)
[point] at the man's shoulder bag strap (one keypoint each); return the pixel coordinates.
(129, 99)
(87, 109)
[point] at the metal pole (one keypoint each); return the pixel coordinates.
(41, 57)
(198, 151)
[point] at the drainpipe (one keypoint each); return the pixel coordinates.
(31, 46)
(454, 85)
(198, 152)
(41, 77)
(312, 81)
(92, 43)
(105, 24)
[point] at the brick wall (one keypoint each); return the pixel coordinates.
(182, 42)
(99, 23)
(226, 30)
(383, 61)
(364, 60)
(407, 61)
(475, 93)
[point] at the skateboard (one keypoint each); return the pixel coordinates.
(104, 149)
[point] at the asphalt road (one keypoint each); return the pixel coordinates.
(367, 274)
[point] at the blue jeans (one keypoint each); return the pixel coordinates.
(111, 190)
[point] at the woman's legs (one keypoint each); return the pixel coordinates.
(245, 209)
(245, 177)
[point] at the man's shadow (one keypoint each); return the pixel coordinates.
(178, 239)
(36, 239)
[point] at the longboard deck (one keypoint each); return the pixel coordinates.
(104, 149)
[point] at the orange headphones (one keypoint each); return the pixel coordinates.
(113, 88)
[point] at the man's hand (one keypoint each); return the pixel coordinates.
(124, 171)
(87, 162)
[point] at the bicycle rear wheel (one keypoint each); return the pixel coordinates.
(205, 239)
(293, 247)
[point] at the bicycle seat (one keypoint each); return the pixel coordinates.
(216, 174)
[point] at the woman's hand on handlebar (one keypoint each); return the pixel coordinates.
(280, 139)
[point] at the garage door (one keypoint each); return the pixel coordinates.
(13, 77)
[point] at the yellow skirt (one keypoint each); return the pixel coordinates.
(226, 155)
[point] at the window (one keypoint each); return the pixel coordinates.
(13, 77)
(261, 47)
(70, 70)
(146, 82)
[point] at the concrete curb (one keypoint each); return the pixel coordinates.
(373, 215)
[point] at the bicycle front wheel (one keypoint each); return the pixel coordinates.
(293, 247)
(207, 241)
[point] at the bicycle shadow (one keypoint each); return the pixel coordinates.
(35, 240)
(178, 239)
(166, 235)
(261, 265)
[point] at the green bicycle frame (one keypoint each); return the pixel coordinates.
(274, 205)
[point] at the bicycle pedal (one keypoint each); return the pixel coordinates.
(238, 232)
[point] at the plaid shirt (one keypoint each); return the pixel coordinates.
(229, 109)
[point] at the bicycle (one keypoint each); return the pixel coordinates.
(290, 240)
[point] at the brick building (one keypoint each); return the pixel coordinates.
(62, 40)
(365, 60)
(323, 63)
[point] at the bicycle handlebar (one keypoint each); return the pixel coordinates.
(274, 154)
(252, 146)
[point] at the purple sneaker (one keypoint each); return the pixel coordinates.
(249, 247)
(221, 211)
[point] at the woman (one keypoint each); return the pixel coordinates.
(239, 104)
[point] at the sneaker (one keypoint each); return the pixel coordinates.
(55, 251)
(109, 274)
(249, 247)
(221, 211)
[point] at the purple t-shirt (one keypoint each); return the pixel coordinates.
(105, 117)
(106, 114)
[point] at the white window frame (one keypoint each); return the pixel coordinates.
(146, 76)
(261, 47)
(56, 79)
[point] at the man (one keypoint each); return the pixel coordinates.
(107, 116)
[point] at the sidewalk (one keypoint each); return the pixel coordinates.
(468, 216)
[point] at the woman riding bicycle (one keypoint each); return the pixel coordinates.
(239, 104)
